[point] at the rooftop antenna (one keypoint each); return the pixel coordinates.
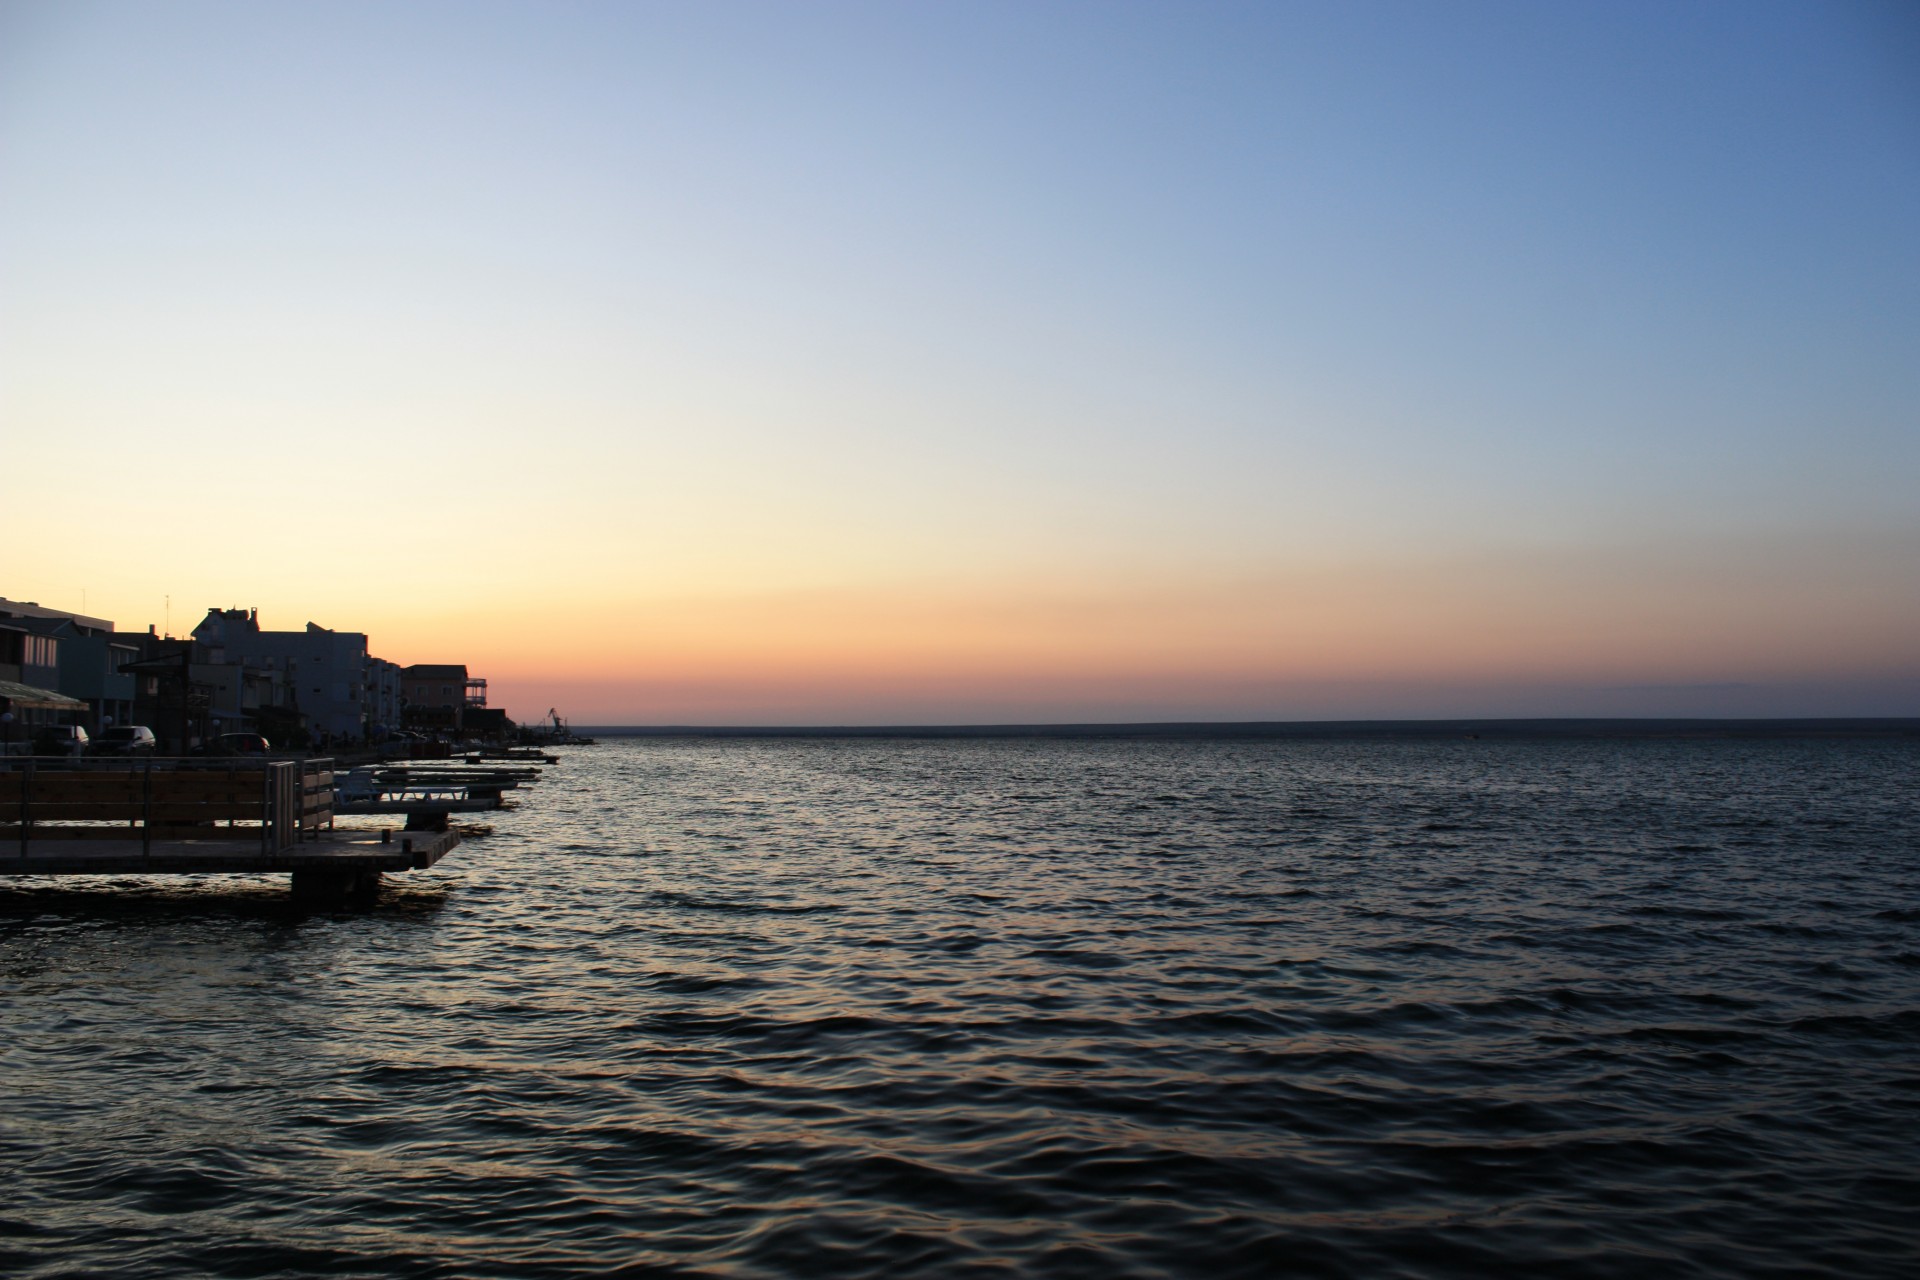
(169, 617)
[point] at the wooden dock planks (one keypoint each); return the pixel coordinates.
(342, 851)
(276, 802)
(190, 817)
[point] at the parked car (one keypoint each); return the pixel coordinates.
(238, 744)
(124, 740)
(59, 740)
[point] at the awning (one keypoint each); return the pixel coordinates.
(15, 694)
(167, 664)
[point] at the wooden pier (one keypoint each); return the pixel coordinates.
(189, 817)
(426, 797)
(336, 866)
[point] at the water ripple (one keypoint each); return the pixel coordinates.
(1105, 1008)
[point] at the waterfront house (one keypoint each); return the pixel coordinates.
(326, 671)
(79, 656)
(385, 696)
(29, 669)
(439, 695)
(168, 698)
(27, 657)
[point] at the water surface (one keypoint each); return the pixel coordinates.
(1073, 1008)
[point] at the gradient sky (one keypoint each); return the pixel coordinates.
(879, 363)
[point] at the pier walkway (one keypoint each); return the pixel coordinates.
(194, 816)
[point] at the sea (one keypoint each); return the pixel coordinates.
(1103, 1007)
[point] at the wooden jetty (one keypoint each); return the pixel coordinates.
(425, 798)
(527, 755)
(473, 780)
(181, 817)
(422, 812)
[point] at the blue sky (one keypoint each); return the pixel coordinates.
(750, 300)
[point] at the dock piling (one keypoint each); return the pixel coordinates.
(329, 887)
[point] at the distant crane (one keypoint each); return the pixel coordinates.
(554, 730)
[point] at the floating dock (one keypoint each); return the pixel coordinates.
(426, 798)
(334, 866)
(194, 817)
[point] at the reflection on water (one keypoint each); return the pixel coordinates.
(1064, 1008)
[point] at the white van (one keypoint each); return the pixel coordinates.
(124, 740)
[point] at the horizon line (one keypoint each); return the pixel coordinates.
(1499, 725)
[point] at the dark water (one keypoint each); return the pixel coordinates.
(758, 1008)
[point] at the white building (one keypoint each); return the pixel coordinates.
(383, 696)
(328, 671)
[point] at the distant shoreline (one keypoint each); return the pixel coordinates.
(1809, 727)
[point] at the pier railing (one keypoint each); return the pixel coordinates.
(276, 802)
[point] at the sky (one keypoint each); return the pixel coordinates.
(734, 363)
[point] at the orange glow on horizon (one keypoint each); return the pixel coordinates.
(1309, 639)
(1218, 643)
